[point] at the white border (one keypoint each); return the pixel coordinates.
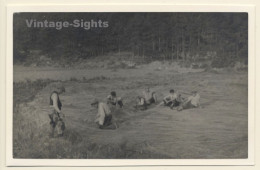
(129, 8)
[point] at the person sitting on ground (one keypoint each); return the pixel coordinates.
(192, 101)
(104, 115)
(140, 103)
(179, 100)
(149, 96)
(56, 117)
(114, 100)
(169, 99)
(173, 99)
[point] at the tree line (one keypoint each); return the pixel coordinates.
(222, 37)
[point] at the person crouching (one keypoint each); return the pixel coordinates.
(104, 115)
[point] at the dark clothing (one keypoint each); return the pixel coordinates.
(119, 102)
(55, 119)
(107, 120)
(59, 102)
(56, 122)
(55, 115)
(141, 104)
(114, 101)
(149, 97)
(108, 123)
(172, 104)
(176, 103)
(167, 103)
(151, 101)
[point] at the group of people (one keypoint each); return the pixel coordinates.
(104, 120)
(174, 100)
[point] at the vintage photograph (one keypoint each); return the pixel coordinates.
(130, 85)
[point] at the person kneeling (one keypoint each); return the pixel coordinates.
(104, 116)
(114, 100)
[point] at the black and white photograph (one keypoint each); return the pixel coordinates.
(130, 85)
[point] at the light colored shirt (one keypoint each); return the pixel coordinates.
(195, 100)
(147, 95)
(171, 97)
(103, 111)
(140, 102)
(113, 99)
(54, 98)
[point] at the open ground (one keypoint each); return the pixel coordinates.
(219, 129)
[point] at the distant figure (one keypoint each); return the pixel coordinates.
(149, 97)
(104, 115)
(192, 101)
(140, 103)
(114, 100)
(56, 117)
(173, 99)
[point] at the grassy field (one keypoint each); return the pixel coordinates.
(217, 130)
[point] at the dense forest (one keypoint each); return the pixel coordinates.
(220, 37)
